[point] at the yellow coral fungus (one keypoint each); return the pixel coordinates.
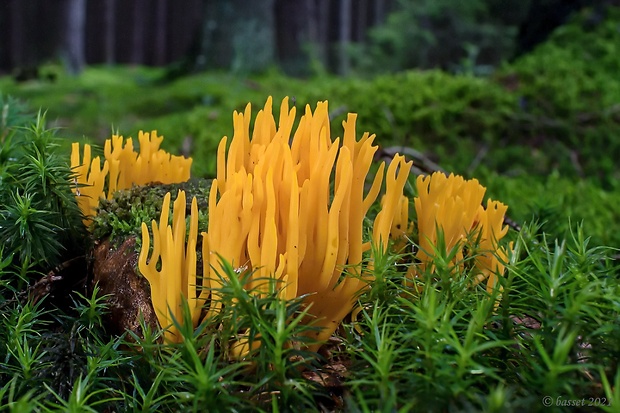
(490, 224)
(271, 207)
(454, 206)
(176, 279)
(123, 167)
(391, 220)
(288, 210)
(89, 180)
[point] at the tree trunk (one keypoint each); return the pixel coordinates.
(344, 37)
(318, 12)
(361, 23)
(323, 31)
(380, 10)
(139, 31)
(74, 36)
(110, 31)
(295, 35)
(17, 33)
(160, 32)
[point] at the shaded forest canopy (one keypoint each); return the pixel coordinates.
(301, 37)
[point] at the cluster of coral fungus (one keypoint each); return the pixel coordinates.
(290, 206)
(451, 207)
(123, 167)
(293, 206)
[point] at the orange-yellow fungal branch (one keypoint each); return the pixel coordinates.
(123, 167)
(454, 205)
(88, 185)
(490, 264)
(394, 208)
(176, 279)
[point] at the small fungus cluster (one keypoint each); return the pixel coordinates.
(454, 205)
(122, 168)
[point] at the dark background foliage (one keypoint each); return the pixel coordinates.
(299, 36)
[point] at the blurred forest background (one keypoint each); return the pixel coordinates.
(299, 36)
(523, 95)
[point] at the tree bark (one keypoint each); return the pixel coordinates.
(110, 31)
(160, 32)
(344, 37)
(139, 31)
(17, 33)
(74, 38)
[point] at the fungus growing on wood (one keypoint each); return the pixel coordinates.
(287, 210)
(175, 280)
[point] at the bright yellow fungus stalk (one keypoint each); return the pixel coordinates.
(175, 280)
(123, 167)
(89, 180)
(392, 221)
(454, 205)
(491, 226)
(293, 209)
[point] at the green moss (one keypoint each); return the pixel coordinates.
(123, 215)
(39, 218)
(558, 204)
(569, 93)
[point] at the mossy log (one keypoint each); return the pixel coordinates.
(117, 242)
